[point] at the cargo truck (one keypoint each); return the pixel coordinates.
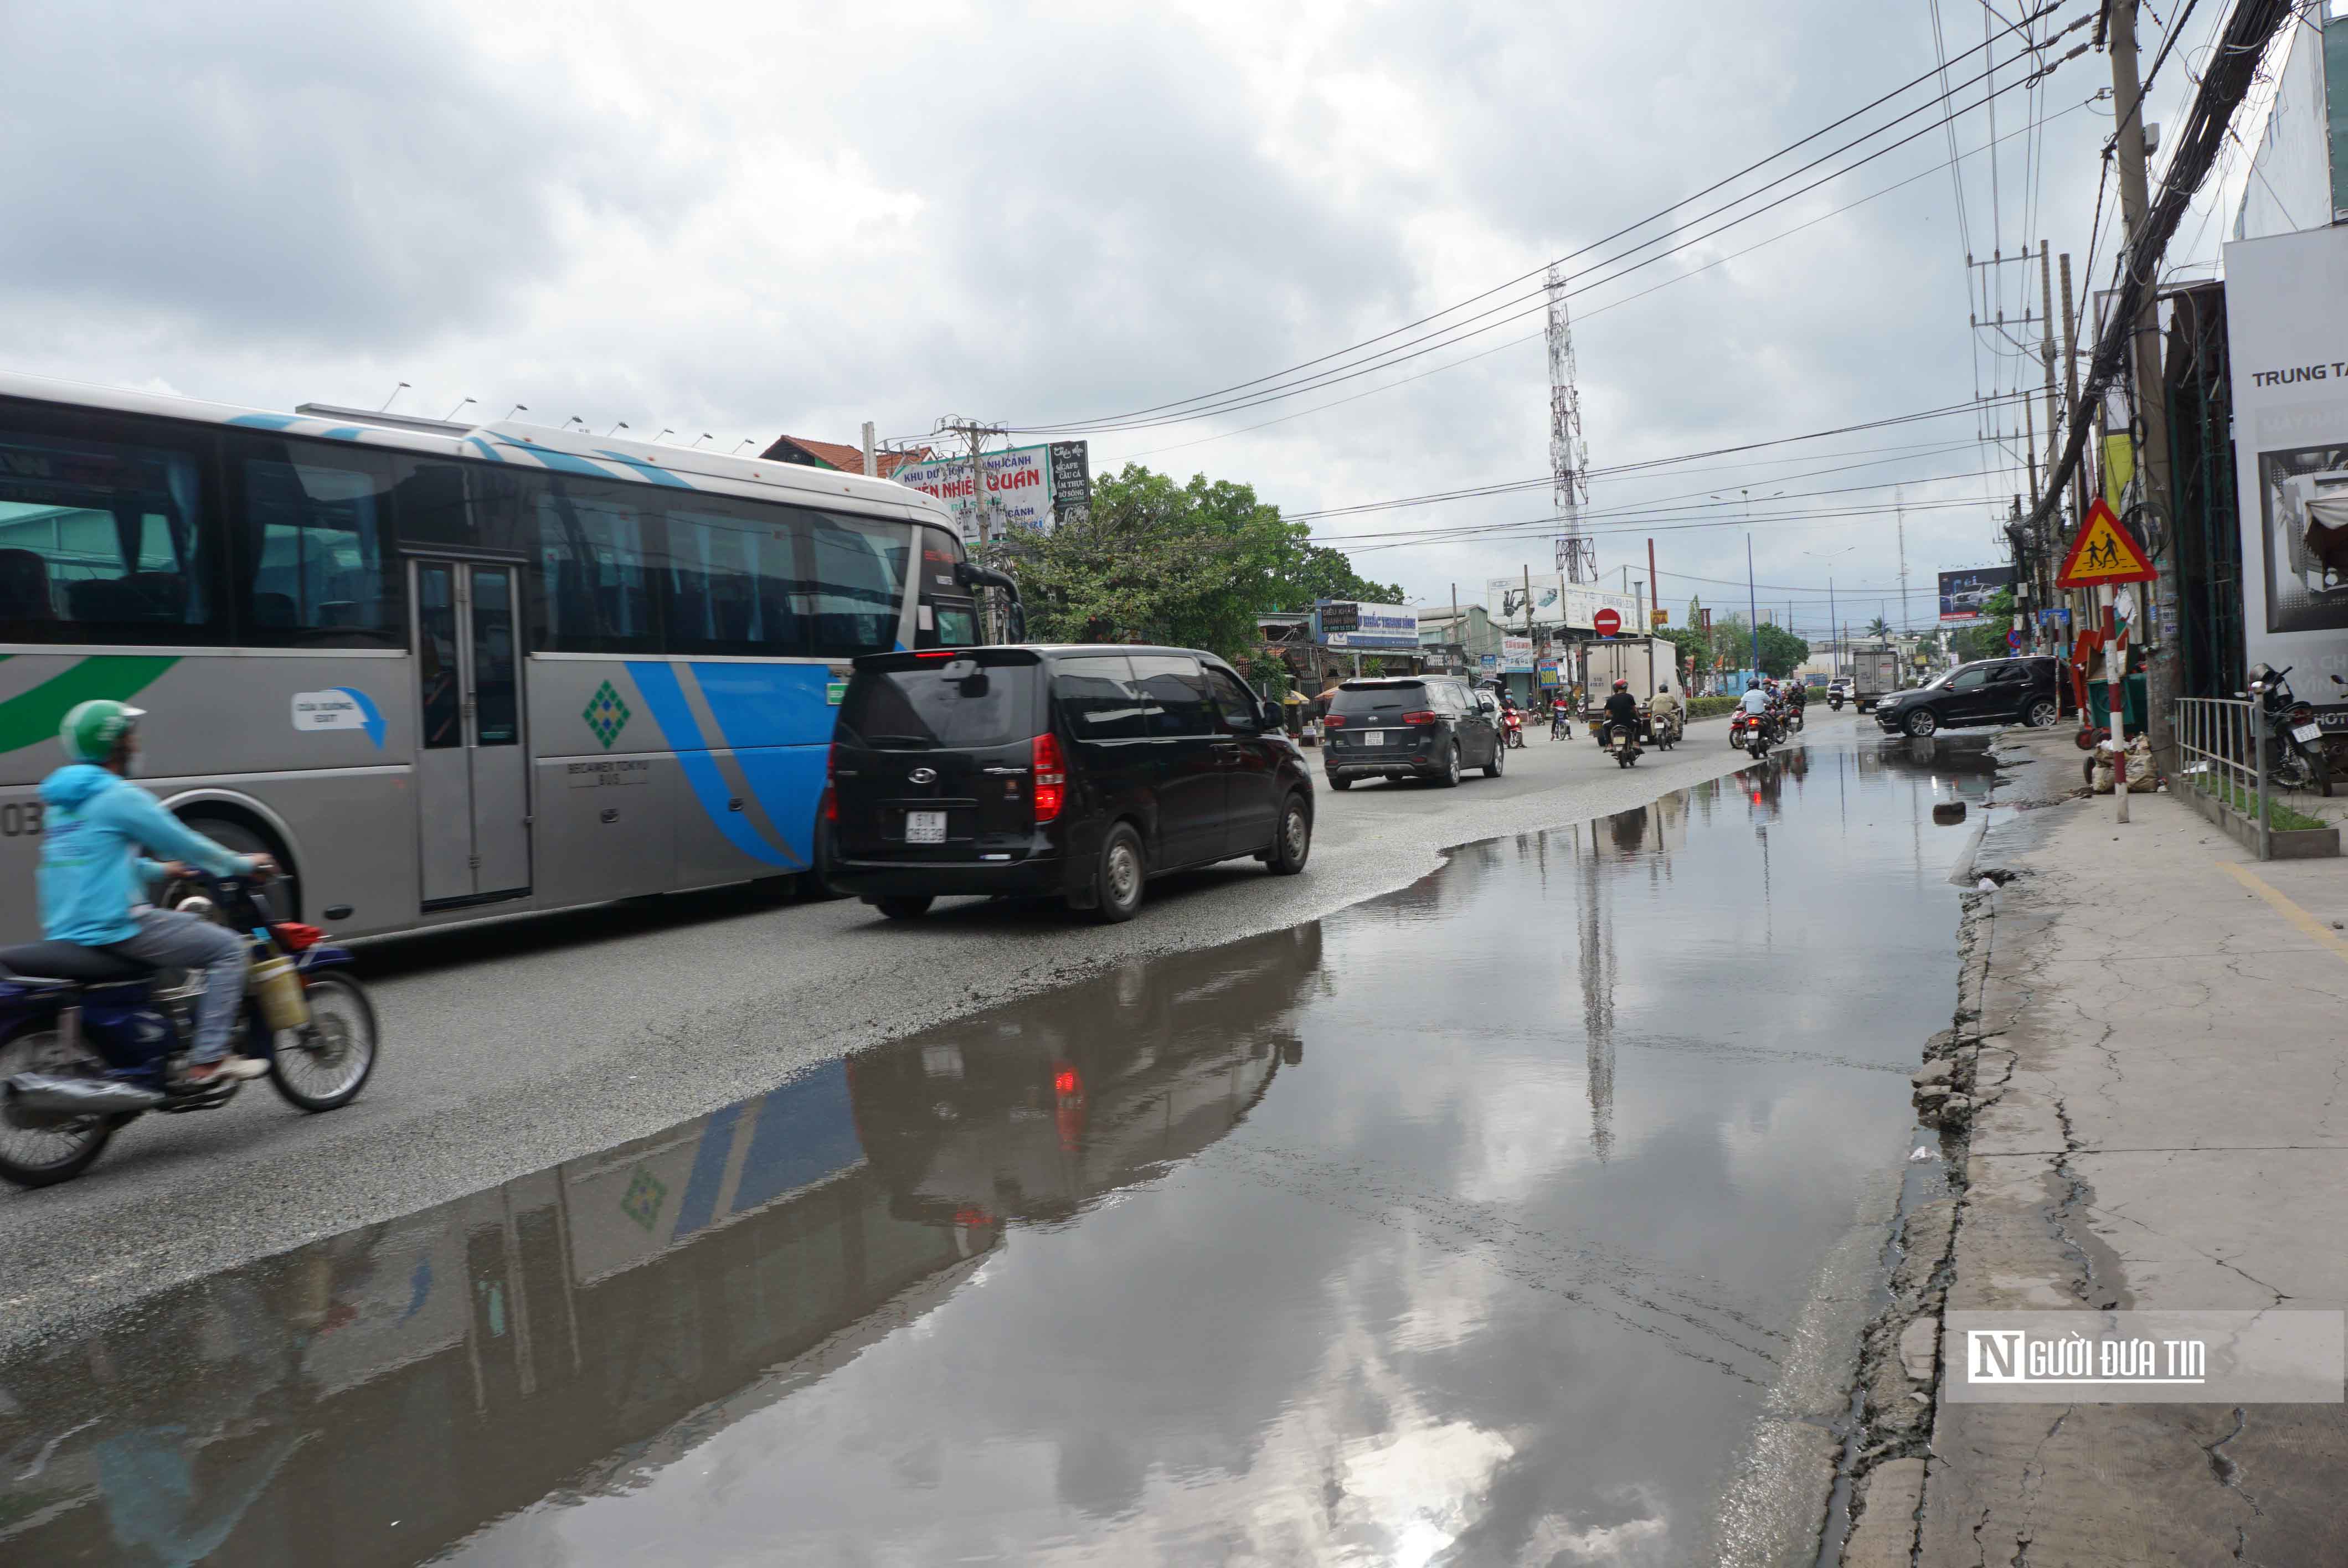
(1875, 675)
(1645, 661)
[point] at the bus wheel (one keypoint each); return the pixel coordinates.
(234, 833)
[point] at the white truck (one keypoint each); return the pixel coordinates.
(1875, 675)
(1645, 661)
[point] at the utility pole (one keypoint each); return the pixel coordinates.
(1900, 522)
(975, 432)
(2078, 470)
(1753, 606)
(2151, 400)
(2043, 583)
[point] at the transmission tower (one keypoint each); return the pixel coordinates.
(1569, 457)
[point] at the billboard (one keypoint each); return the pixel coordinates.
(1517, 655)
(1344, 623)
(2287, 322)
(1965, 594)
(1555, 601)
(1019, 487)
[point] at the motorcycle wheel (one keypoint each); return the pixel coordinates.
(1736, 739)
(327, 1073)
(34, 1156)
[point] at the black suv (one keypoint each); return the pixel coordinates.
(1078, 772)
(2026, 690)
(1411, 726)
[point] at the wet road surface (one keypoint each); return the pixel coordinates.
(1487, 1221)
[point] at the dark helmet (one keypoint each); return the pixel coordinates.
(1663, 686)
(1752, 685)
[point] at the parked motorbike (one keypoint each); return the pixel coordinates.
(1624, 741)
(2294, 738)
(91, 1040)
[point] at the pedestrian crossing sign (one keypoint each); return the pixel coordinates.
(2105, 554)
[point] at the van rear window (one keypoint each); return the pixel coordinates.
(943, 703)
(1369, 700)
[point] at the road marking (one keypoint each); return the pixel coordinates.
(2286, 908)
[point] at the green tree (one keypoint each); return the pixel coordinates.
(1781, 652)
(1878, 629)
(1189, 564)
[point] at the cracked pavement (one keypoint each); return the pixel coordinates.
(2159, 1050)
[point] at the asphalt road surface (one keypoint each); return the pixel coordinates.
(510, 1047)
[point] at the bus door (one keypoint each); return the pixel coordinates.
(472, 771)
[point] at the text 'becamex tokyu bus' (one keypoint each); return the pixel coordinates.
(441, 670)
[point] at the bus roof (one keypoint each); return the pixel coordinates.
(523, 445)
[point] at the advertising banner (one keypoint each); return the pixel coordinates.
(2287, 320)
(1517, 655)
(1344, 623)
(1018, 489)
(1555, 601)
(1071, 480)
(1964, 594)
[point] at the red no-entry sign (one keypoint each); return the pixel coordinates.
(1607, 623)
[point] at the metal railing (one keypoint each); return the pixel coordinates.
(2221, 748)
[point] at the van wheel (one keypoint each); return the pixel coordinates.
(1339, 781)
(1116, 882)
(1499, 759)
(1450, 777)
(907, 907)
(1294, 843)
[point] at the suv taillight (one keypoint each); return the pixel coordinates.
(1051, 776)
(1424, 716)
(1333, 722)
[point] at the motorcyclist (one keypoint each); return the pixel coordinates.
(1756, 703)
(1623, 709)
(1665, 708)
(93, 880)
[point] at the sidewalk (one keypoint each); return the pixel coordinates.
(2150, 1024)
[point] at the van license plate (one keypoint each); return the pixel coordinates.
(925, 827)
(2309, 734)
(1374, 737)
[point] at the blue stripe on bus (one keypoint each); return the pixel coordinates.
(264, 421)
(562, 462)
(806, 1130)
(658, 684)
(700, 1200)
(486, 450)
(653, 471)
(342, 433)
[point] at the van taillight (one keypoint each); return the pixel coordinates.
(1424, 716)
(830, 767)
(1333, 722)
(1051, 776)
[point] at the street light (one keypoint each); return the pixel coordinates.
(1752, 602)
(452, 413)
(1834, 627)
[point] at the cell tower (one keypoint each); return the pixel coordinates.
(1569, 457)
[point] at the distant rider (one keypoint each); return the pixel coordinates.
(93, 880)
(1623, 709)
(1665, 708)
(1755, 704)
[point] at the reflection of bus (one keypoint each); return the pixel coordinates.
(443, 671)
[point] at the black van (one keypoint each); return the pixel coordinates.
(1412, 726)
(1072, 770)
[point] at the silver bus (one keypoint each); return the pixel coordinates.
(441, 670)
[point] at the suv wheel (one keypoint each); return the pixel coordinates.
(1294, 843)
(1922, 723)
(1339, 781)
(906, 907)
(1117, 879)
(2042, 715)
(1500, 759)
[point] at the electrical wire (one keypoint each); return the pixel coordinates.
(1258, 391)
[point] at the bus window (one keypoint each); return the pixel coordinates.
(593, 587)
(945, 616)
(104, 541)
(313, 555)
(855, 581)
(729, 578)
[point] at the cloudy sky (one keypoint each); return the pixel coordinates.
(794, 217)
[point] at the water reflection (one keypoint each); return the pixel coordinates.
(389, 1390)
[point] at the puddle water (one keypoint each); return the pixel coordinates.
(1471, 1225)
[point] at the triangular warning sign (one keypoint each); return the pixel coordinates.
(2104, 554)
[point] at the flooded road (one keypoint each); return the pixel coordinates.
(1489, 1221)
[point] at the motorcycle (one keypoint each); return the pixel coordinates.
(1736, 726)
(2294, 738)
(89, 1040)
(1512, 724)
(1664, 731)
(1760, 736)
(1834, 700)
(1624, 741)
